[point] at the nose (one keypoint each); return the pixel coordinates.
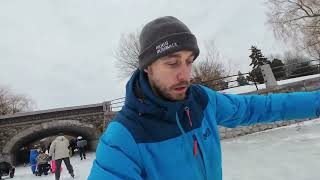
(184, 73)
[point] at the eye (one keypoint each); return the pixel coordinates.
(172, 62)
(190, 61)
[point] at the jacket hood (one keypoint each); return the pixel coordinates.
(151, 118)
(60, 138)
(141, 100)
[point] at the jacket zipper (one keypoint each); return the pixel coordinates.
(197, 150)
(195, 140)
(196, 147)
(186, 109)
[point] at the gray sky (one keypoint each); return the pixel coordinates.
(60, 52)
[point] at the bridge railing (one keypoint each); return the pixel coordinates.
(226, 82)
(288, 71)
(116, 104)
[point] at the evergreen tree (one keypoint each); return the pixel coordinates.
(256, 76)
(257, 60)
(304, 69)
(242, 81)
(278, 69)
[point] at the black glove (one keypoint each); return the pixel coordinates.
(50, 158)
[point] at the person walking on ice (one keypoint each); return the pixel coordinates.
(59, 152)
(82, 144)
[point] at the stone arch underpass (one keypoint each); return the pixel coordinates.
(26, 129)
(34, 133)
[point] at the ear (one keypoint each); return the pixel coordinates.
(147, 69)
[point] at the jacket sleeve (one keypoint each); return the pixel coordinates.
(52, 149)
(233, 110)
(67, 143)
(117, 156)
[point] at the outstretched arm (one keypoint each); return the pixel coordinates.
(234, 110)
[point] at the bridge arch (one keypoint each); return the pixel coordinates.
(46, 129)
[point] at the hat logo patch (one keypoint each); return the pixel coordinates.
(165, 46)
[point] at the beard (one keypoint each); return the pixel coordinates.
(164, 92)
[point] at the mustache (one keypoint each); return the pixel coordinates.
(181, 84)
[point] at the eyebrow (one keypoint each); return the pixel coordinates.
(176, 55)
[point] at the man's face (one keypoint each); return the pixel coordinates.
(170, 76)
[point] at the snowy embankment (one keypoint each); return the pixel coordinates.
(290, 152)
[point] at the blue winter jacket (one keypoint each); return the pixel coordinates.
(152, 139)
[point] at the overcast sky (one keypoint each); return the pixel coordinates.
(60, 52)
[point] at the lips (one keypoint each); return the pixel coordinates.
(180, 89)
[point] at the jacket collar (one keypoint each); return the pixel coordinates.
(141, 99)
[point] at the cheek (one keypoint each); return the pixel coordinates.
(164, 80)
(168, 78)
(189, 71)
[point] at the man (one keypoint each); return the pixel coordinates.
(81, 144)
(59, 152)
(72, 146)
(168, 129)
(24, 152)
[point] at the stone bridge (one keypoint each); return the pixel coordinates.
(22, 129)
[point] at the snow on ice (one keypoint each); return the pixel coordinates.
(291, 152)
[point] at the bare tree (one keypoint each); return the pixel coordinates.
(210, 69)
(298, 22)
(127, 54)
(12, 103)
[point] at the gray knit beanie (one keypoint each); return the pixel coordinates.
(163, 36)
